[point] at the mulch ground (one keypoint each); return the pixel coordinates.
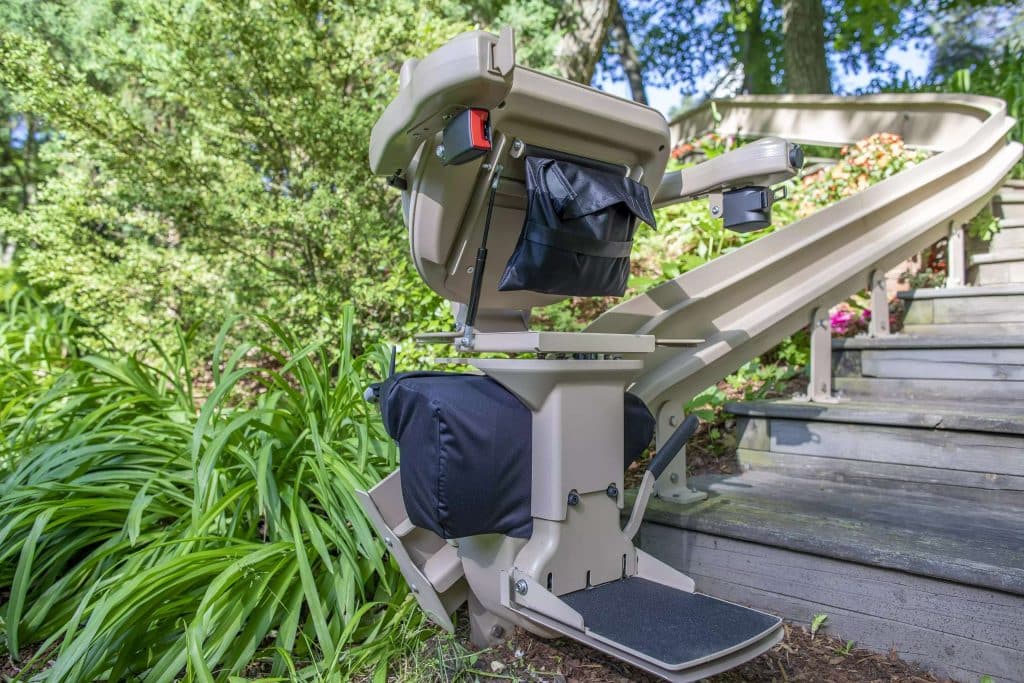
(799, 657)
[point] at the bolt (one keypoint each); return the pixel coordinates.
(486, 166)
(574, 498)
(612, 491)
(497, 631)
(714, 209)
(439, 151)
(674, 478)
(673, 420)
(389, 543)
(469, 270)
(517, 149)
(522, 587)
(414, 589)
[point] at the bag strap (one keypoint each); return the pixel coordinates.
(581, 244)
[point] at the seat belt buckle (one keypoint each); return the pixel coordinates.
(466, 137)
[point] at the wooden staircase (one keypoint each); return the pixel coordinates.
(899, 510)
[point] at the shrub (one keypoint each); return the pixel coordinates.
(212, 159)
(145, 531)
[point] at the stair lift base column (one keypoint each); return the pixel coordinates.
(577, 487)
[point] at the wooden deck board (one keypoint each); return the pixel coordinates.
(955, 630)
(971, 543)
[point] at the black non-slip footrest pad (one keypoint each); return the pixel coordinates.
(671, 626)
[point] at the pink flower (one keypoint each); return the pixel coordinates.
(840, 321)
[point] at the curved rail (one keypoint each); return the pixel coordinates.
(745, 302)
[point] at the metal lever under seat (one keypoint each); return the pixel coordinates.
(658, 463)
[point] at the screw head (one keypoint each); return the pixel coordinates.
(714, 209)
(389, 543)
(674, 478)
(574, 498)
(612, 491)
(415, 590)
(439, 151)
(522, 587)
(673, 420)
(497, 631)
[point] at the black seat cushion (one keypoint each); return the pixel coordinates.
(465, 444)
(578, 232)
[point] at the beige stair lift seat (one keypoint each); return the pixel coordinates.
(445, 205)
(578, 544)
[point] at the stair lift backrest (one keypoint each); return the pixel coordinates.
(445, 206)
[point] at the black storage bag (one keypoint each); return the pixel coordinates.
(578, 231)
(466, 451)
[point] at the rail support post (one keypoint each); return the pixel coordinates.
(956, 257)
(879, 325)
(671, 485)
(819, 390)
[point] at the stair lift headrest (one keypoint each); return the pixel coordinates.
(444, 206)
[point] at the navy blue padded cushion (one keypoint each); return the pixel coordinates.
(466, 452)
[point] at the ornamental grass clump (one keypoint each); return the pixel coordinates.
(146, 537)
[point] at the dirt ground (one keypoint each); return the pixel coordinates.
(799, 657)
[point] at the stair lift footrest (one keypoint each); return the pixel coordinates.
(676, 628)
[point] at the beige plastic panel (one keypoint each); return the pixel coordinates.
(467, 69)
(445, 205)
(748, 300)
(764, 162)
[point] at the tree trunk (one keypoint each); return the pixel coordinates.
(803, 31)
(586, 27)
(619, 32)
(757, 71)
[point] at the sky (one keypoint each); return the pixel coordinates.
(911, 60)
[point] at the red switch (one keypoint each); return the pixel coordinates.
(467, 136)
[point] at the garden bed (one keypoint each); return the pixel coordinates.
(800, 657)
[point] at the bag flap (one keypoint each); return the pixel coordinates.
(581, 191)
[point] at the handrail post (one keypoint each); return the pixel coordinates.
(671, 485)
(820, 388)
(956, 257)
(879, 325)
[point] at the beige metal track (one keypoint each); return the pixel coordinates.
(747, 301)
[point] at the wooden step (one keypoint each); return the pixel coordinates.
(916, 357)
(1010, 236)
(935, 447)
(1015, 255)
(940, 583)
(990, 310)
(892, 389)
(998, 273)
(962, 329)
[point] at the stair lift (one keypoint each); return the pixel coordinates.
(467, 140)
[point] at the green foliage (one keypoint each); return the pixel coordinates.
(212, 159)
(817, 622)
(984, 226)
(980, 49)
(743, 41)
(153, 526)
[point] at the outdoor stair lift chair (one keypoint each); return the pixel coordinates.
(519, 189)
